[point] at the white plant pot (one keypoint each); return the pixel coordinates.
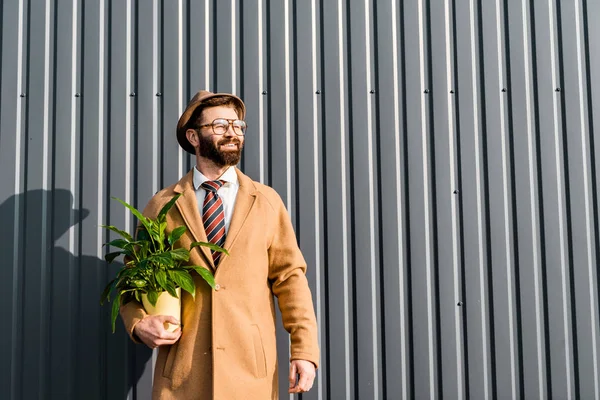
(165, 305)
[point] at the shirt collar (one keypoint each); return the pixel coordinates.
(229, 176)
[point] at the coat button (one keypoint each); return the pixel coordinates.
(217, 286)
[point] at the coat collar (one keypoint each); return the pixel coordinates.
(188, 207)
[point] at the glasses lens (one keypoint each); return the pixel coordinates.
(239, 126)
(220, 126)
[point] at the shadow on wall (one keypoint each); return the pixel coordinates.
(56, 341)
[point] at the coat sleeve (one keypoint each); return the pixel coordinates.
(132, 313)
(287, 270)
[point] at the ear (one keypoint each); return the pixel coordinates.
(192, 137)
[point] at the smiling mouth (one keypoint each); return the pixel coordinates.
(230, 145)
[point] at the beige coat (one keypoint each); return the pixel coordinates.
(227, 348)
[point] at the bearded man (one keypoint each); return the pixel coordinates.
(225, 347)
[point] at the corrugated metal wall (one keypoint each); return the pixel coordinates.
(438, 158)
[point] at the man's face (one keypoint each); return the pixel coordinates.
(224, 149)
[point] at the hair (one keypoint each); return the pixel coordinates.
(196, 117)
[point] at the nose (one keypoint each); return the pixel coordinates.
(230, 131)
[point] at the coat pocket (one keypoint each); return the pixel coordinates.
(259, 353)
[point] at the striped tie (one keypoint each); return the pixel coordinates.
(213, 216)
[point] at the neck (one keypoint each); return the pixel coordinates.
(209, 169)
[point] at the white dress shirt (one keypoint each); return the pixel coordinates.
(227, 192)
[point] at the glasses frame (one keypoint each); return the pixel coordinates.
(230, 121)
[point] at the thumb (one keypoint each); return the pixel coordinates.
(293, 373)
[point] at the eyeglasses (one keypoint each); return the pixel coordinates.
(221, 125)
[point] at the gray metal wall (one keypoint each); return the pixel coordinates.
(438, 158)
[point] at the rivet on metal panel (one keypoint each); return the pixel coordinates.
(132, 94)
(77, 94)
(318, 92)
(451, 91)
(22, 95)
(503, 90)
(159, 94)
(372, 91)
(460, 303)
(455, 191)
(264, 92)
(426, 91)
(557, 89)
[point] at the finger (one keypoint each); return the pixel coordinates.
(293, 375)
(303, 382)
(170, 319)
(166, 335)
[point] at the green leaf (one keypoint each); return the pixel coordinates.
(106, 293)
(118, 243)
(134, 211)
(152, 297)
(127, 272)
(170, 288)
(176, 234)
(142, 234)
(163, 212)
(115, 311)
(210, 246)
(124, 234)
(180, 254)
(162, 258)
(184, 280)
(161, 278)
(110, 257)
(205, 274)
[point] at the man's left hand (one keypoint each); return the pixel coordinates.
(302, 376)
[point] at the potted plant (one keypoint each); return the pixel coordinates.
(154, 270)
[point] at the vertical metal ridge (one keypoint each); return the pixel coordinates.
(45, 282)
(426, 206)
(399, 210)
(126, 94)
(372, 233)
(479, 199)
(73, 150)
(343, 167)
(101, 127)
(102, 187)
(533, 203)
(207, 28)
(317, 181)
(455, 213)
(181, 93)
(261, 103)
(288, 103)
(16, 373)
(156, 56)
(506, 202)
(73, 180)
(582, 90)
(234, 49)
(560, 196)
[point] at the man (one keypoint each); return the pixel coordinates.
(226, 346)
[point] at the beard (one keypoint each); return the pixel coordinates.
(209, 149)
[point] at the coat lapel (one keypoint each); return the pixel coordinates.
(243, 205)
(188, 207)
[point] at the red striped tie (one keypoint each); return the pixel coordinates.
(213, 216)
